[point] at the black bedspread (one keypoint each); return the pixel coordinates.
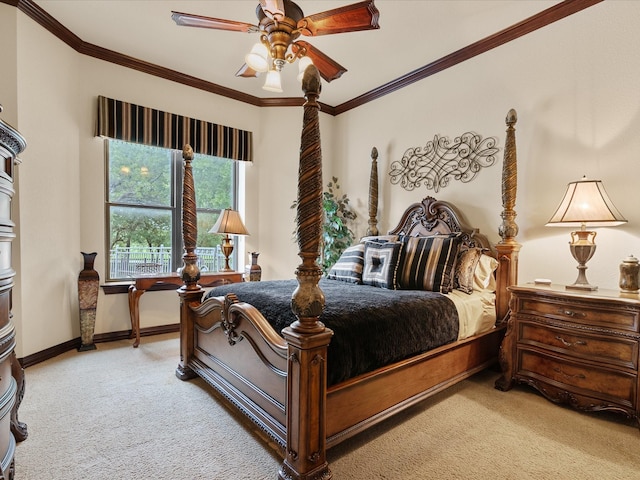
(372, 326)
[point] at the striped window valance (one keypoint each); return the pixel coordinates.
(133, 123)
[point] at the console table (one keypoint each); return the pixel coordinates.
(578, 348)
(143, 283)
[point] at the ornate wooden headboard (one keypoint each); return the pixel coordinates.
(431, 216)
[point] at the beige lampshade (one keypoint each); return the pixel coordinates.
(586, 203)
(230, 223)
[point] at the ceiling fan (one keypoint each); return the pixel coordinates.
(280, 24)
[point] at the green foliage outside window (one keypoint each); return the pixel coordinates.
(139, 175)
(213, 178)
(144, 196)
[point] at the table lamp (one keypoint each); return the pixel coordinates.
(585, 204)
(229, 223)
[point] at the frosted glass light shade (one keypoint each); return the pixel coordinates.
(303, 63)
(273, 82)
(257, 58)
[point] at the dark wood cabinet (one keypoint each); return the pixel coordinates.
(11, 372)
(577, 348)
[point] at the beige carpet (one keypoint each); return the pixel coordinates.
(120, 413)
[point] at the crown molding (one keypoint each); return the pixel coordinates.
(531, 24)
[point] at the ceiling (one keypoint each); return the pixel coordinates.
(412, 34)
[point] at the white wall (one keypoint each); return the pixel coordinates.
(278, 174)
(573, 84)
(8, 59)
(48, 195)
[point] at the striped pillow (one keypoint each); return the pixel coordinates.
(349, 266)
(381, 264)
(428, 263)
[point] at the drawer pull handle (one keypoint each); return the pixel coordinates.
(569, 313)
(570, 344)
(567, 375)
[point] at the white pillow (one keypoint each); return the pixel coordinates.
(483, 277)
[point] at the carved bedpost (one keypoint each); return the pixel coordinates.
(508, 248)
(190, 271)
(307, 337)
(373, 194)
(190, 292)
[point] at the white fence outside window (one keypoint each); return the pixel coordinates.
(128, 262)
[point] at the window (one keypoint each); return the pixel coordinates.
(144, 214)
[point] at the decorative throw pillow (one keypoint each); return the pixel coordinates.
(428, 263)
(379, 238)
(349, 266)
(381, 264)
(465, 269)
(483, 277)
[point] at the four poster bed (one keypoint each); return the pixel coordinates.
(305, 378)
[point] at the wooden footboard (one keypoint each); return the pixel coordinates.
(237, 352)
(356, 405)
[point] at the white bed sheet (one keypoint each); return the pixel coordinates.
(476, 311)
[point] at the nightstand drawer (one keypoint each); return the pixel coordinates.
(606, 384)
(581, 313)
(617, 351)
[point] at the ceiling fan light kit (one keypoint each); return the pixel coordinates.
(302, 66)
(273, 82)
(257, 58)
(281, 22)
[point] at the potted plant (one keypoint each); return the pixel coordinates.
(336, 234)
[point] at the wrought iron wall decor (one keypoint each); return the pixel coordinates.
(440, 160)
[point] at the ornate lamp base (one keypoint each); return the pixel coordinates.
(227, 250)
(582, 250)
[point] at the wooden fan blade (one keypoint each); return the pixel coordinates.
(189, 20)
(273, 8)
(351, 18)
(329, 69)
(246, 71)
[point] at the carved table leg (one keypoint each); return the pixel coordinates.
(134, 313)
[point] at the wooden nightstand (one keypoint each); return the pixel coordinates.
(578, 348)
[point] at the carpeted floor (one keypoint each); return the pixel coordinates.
(121, 413)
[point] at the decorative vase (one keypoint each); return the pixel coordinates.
(630, 275)
(88, 285)
(255, 271)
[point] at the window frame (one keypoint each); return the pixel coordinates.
(175, 209)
